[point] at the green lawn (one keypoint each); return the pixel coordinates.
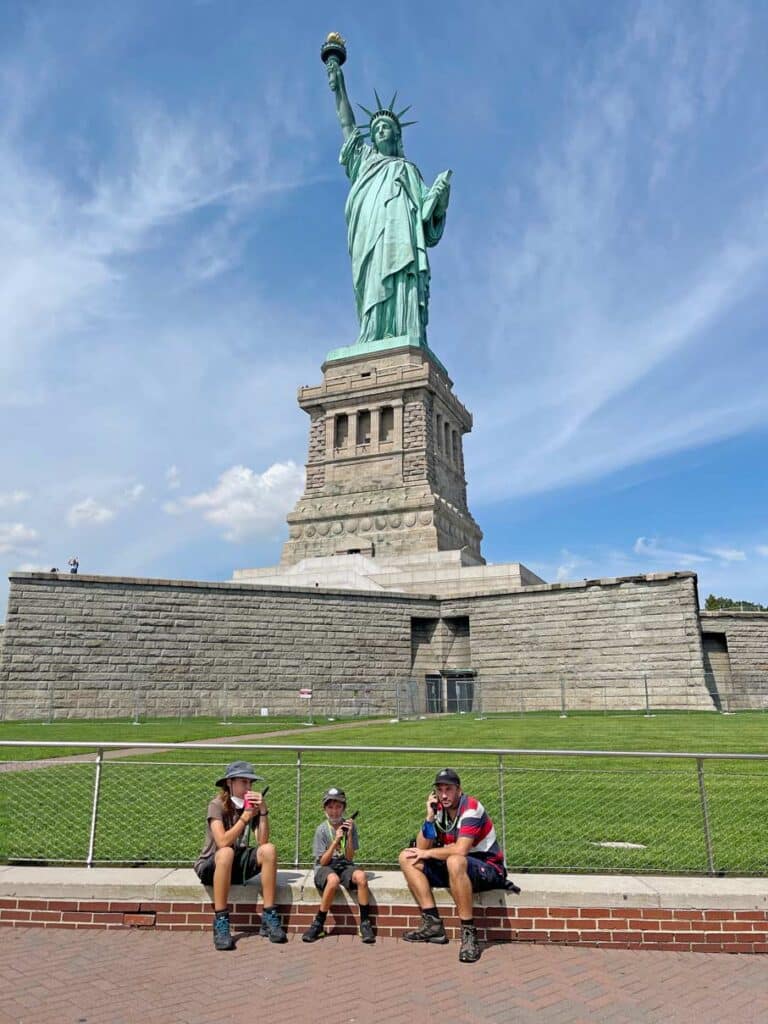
(555, 811)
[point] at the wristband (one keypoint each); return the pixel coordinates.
(428, 830)
(263, 814)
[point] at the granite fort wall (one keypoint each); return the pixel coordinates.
(100, 641)
(597, 643)
(97, 646)
(739, 669)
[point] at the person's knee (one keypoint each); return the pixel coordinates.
(360, 879)
(332, 882)
(267, 853)
(404, 859)
(224, 857)
(457, 865)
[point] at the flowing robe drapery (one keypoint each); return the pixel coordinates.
(388, 239)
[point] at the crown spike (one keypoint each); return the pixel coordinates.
(378, 100)
(393, 101)
(404, 110)
(365, 110)
(405, 124)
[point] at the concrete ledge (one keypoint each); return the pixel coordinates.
(681, 914)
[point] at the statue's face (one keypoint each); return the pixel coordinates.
(385, 136)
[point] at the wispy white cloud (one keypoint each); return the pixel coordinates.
(762, 549)
(602, 317)
(13, 498)
(173, 478)
(89, 511)
(247, 504)
(728, 554)
(650, 547)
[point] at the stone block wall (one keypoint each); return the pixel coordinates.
(740, 673)
(102, 643)
(595, 644)
(99, 646)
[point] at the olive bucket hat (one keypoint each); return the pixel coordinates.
(238, 770)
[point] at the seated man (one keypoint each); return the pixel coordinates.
(456, 849)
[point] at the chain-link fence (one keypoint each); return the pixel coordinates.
(553, 810)
(447, 692)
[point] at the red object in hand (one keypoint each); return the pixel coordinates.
(249, 805)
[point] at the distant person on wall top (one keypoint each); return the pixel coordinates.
(456, 849)
(333, 849)
(74, 565)
(227, 859)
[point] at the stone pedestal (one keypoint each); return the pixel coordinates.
(385, 472)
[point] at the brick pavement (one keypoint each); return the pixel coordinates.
(60, 976)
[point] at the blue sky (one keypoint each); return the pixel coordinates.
(174, 266)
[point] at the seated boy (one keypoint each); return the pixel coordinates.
(333, 849)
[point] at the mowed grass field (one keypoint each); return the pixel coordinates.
(555, 812)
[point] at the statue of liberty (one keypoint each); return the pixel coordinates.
(392, 217)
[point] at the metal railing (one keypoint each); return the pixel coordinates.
(562, 810)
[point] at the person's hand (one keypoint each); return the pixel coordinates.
(431, 811)
(340, 832)
(414, 854)
(254, 803)
(334, 75)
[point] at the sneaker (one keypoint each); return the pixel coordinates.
(271, 927)
(222, 937)
(470, 947)
(366, 931)
(431, 930)
(315, 931)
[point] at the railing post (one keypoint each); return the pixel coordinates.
(705, 816)
(95, 808)
(563, 711)
(298, 810)
(503, 808)
(647, 702)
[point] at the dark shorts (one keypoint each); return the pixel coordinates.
(344, 872)
(244, 866)
(481, 874)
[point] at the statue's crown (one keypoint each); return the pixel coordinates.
(384, 111)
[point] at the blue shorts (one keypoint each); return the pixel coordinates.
(482, 875)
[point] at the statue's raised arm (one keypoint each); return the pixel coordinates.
(392, 217)
(334, 53)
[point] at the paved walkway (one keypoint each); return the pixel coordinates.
(121, 977)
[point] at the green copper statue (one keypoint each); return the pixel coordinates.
(392, 217)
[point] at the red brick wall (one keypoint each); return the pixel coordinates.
(703, 931)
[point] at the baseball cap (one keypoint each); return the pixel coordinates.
(447, 777)
(334, 794)
(238, 770)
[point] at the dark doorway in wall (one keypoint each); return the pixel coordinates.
(460, 691)
(717, 666)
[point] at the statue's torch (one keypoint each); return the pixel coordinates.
(333, 49)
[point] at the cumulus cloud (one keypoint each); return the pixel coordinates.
(16, 537)
(134, 492)
(248, 504)
(90, 512)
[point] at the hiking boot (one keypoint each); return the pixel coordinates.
(315, 931)
(431, 930)
(366, 931)
(470, 947)
(222, 937)
(271, 927)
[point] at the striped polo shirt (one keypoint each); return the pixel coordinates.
(472, 822)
